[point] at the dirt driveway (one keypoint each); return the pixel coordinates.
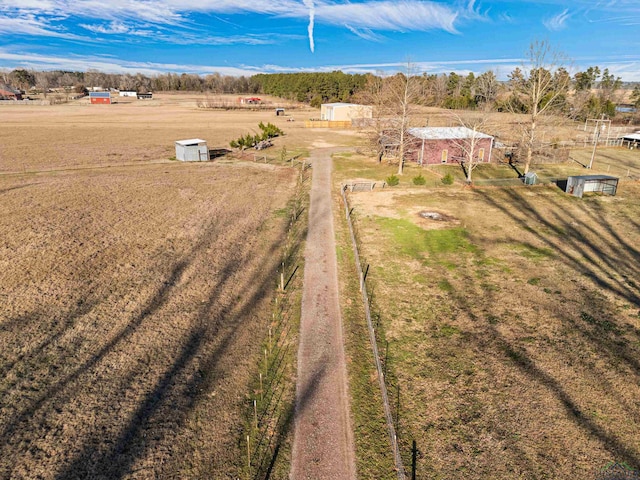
(323, 440)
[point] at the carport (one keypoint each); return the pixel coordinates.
(581, 184)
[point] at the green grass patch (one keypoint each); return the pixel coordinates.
(445, 331)
(421, 244)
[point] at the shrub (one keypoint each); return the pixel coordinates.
(447, 179)
(392, 181)
(419, 180)
(247, 141)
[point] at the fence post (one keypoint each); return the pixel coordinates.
(414, 454)
(388, 413)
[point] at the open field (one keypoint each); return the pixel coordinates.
(77, 135)
(513, 323)
(135, 298)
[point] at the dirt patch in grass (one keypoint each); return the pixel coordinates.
(134, 303)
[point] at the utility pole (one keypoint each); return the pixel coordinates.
(600, 126)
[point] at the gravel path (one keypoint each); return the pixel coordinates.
(323, 439)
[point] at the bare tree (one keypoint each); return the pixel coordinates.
(539, 90)
(398, 95)
(470, 142)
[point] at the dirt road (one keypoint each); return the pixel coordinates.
(323, 439)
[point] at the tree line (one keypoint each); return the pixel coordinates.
(586, 94)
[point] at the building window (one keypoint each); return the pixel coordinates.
(445, 155)
(481, 154)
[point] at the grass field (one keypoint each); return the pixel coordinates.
(513, 322)
(78, 135)
(134, 304)
(136, 291)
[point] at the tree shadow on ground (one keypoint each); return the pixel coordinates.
(177, 390)
(590, 247)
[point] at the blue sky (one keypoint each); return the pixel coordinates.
(243, 37)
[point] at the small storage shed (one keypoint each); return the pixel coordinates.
(100, 97)
(192, 150)
(581, 184)
(530, 178)
(127, 93)
(145, 96)
(335, 112)
(434, 145)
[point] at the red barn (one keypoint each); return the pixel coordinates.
(435, 145)
(9, 93)
(100, 97)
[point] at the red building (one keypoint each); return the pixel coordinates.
(436, 145)
(9, 93)
(100, 98)
(250, 100)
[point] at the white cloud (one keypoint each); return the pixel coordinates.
(628, 70)
(365, 33)
(112, 28)
(31, 25)
(387, 15)
(404, 15)
(557, 22)
(310, 4)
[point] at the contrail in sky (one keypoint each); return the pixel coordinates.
(312, 14)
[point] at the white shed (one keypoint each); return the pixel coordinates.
(128, 93)
(192, 150)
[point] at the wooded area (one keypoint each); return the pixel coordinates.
(586, 94)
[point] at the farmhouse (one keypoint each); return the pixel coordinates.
(100, 98)
(192, 150)
(127, 93)
(434, 145)
(579, 184)
(9, 93)
(335, 112)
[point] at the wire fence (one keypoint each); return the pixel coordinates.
(270, 410)
(392, 424)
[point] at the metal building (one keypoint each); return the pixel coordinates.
(581, 184)
(100, 97)
(192, 150)
(344, 111)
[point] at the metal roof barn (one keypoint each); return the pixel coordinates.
(581, 184)
(100, 97)
(433, 145)
(446, 133)
(192, 150)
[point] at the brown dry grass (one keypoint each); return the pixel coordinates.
(134, 298)
(35, 138)
(515, 331)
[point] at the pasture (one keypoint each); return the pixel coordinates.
(135, 290)
(511, 322)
